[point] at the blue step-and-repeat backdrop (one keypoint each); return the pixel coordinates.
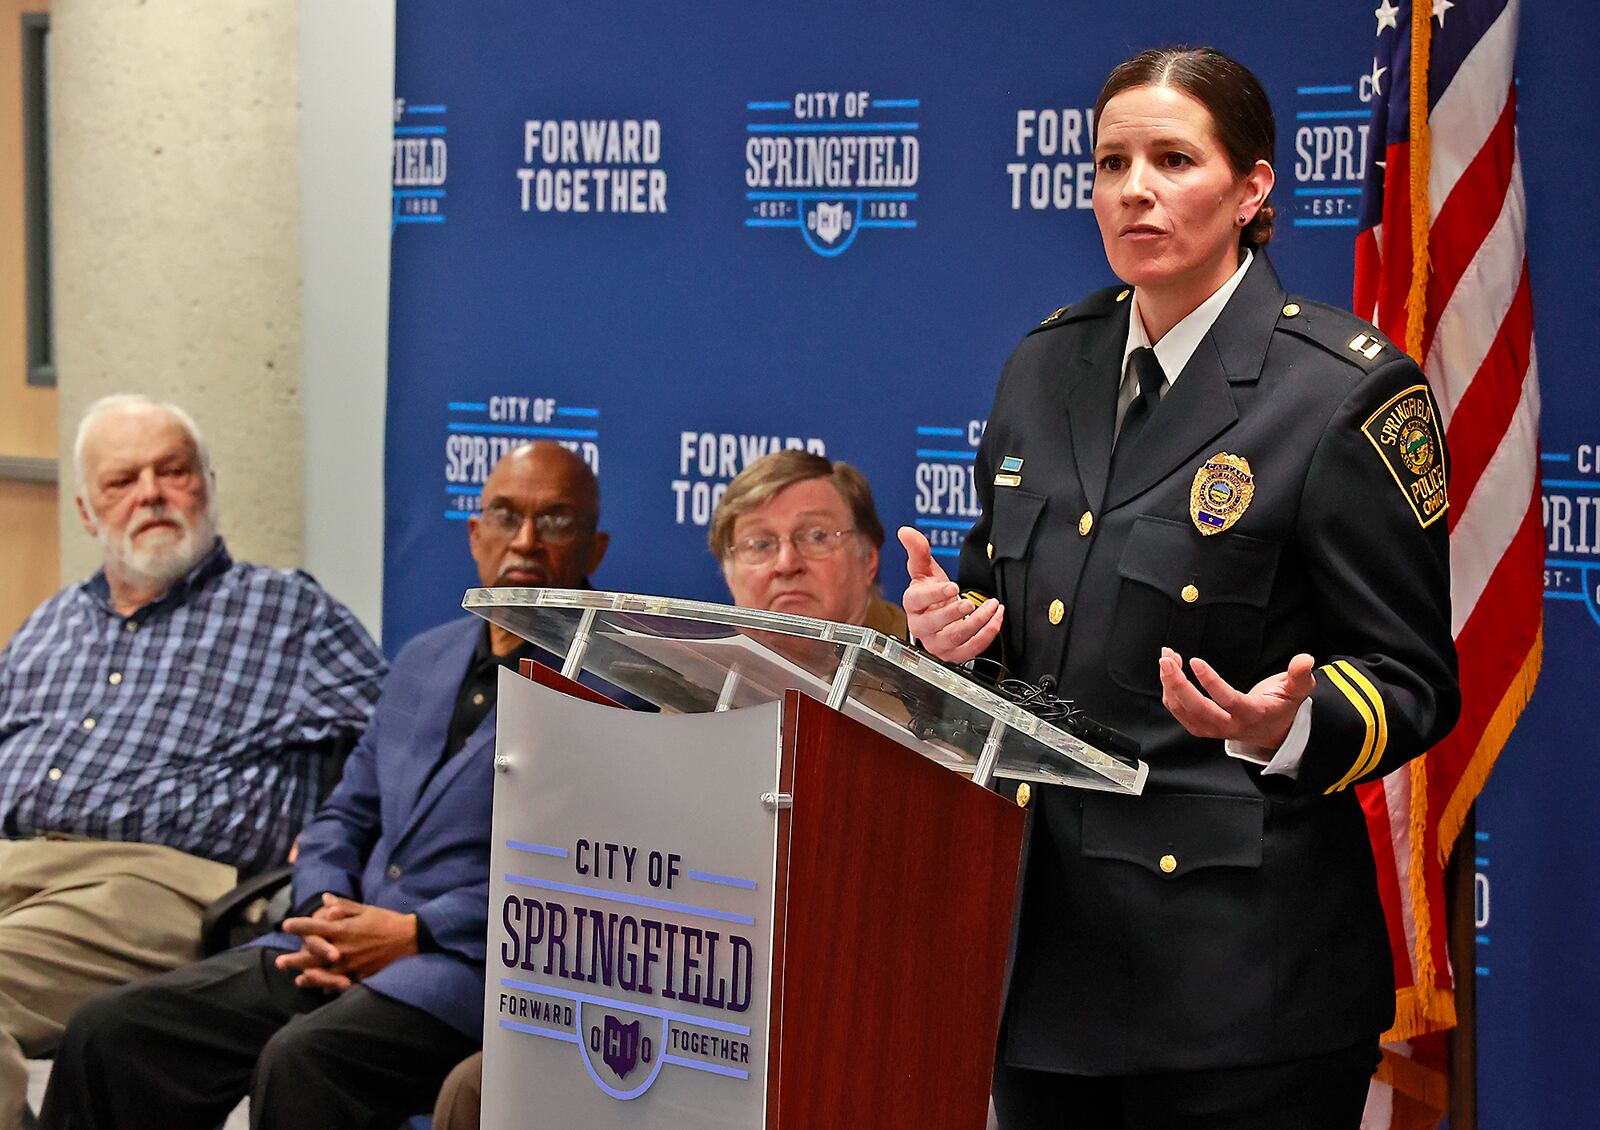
(675, 237)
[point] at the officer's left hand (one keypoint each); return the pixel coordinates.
(1260, 717)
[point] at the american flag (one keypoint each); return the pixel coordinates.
(1441, 269)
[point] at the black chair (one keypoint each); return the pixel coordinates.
(259, 903)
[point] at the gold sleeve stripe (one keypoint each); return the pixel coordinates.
(975, 596)
(1365, 684)
(1356, 700)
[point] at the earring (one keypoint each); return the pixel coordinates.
(1243, 219)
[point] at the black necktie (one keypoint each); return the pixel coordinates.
(1151, 380)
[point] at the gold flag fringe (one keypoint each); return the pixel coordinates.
(1490, 743)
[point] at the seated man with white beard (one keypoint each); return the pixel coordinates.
(163, 727)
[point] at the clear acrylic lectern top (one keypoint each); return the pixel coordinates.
(692, 656)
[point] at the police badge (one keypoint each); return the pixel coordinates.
(1222, 490)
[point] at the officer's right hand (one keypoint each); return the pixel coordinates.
(947, 625)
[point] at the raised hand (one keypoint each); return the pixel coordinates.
(944, 623)
(1260, 716)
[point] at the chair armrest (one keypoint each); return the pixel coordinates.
(229, 914)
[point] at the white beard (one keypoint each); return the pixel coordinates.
(163, 556)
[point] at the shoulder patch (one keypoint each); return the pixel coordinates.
(1405, 434)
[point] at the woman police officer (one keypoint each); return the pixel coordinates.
(1194, 469)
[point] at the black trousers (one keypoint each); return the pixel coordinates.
(1325, 1092)
(177, 1052)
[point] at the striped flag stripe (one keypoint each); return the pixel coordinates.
(1463, 117)
(1491, 400)
(1470, 213)
(1375, 802)
(1486, 528)
(1504, 624)
(1397, 797)
(1369, 269)
(1396, 255)
(1468, 325)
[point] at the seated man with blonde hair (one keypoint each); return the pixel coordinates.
(794, 533)
(797, 533)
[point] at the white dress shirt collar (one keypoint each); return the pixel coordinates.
(1179, 343)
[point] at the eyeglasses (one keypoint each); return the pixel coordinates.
(553, 527)
(812, 542)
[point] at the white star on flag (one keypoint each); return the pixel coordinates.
(1388, 16)
(1377, 73)
(1440, 7)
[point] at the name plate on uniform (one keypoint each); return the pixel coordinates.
(630, 915)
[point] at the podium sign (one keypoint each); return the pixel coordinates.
(631, 915)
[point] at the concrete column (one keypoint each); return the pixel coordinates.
(347, 121)
(175, 197)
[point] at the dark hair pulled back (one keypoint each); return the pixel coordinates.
(1241, 113)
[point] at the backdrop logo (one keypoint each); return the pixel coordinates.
(420, 163)
(1572, 526)
(832, 163)
(1331, 143)
(946, 499)
(708, 461)
(592, 165)
(1054, 169)
(479, 432)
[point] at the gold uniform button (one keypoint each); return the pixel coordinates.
(1291, 309)
(1024, 794)
(1190, 594)
(477, 699)
(1085, 524)
(1057, 610)
(1169, 864)
(1123, 295)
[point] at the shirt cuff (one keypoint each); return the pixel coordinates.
(1285, 761)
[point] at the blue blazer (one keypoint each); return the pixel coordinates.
(384, 838)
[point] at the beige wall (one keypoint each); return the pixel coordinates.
(27, 414)
(176, 233)
(28, 527)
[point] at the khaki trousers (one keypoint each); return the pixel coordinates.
(460, 1103)
(78, 917)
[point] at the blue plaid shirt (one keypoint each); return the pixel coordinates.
(199, 722)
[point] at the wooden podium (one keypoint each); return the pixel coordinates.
(830, 905)
(918, 869)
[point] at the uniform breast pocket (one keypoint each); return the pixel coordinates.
(1016, 515)
(1204, 596)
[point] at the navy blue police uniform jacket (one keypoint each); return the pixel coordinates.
(1289, 495)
